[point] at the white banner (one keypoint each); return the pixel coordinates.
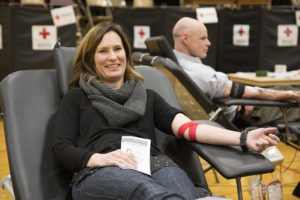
(241, 34)
(43, 37)
(141, 33)
(63, 16)
(287, 35)
(1, 45)
(297, 14)
(207, 15)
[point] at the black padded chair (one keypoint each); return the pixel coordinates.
(161, 54)
(29, 100)
(237, 164)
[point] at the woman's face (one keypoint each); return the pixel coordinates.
(110, 60)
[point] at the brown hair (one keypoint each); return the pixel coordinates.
(84, 58)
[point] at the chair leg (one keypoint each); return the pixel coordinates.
(239, 188)
(216, 175)
(288, 135)
(214, 171)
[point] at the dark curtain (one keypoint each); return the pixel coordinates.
(271, 54)
(239, 58)
(130, 17)
(6, 51)
(24, 57)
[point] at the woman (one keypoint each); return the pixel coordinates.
(107, 100)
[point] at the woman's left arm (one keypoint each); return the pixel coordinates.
(257, 140)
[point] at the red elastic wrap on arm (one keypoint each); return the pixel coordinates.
(192, 126)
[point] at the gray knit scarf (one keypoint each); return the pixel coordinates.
(119, 107)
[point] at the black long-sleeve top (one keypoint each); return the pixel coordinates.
(80, 130)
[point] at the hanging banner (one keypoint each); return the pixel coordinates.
(141, 33)
(297, 15)
(287, 35)
(63, 16)
(1, 45)
(241, 34)
(207, 15)
(43, 37)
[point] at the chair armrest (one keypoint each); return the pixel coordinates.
(256, 102)
(232, 162)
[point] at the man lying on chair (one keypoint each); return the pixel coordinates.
(191, 44)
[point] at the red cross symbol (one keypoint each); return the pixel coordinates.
(141, 33)
(201, 14)
(44, 33)
(288, 32)
(241, 31)
(299, 18)
(57, 17)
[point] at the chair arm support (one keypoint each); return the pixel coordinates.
(255, 102)
(232, 162)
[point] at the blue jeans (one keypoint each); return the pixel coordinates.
(116, 183)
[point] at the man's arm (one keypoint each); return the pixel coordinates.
(263, 93)
(271, 94)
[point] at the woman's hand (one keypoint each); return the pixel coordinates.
(258, 140)
(115, 158)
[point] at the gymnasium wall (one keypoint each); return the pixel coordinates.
(262, 52)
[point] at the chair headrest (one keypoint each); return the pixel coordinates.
(159, 46)
(64, 64)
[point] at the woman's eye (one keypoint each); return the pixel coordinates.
(102, 51)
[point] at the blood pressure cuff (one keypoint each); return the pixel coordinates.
(237, 90)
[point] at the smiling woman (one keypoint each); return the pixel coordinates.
(110, 60)
(105, 48)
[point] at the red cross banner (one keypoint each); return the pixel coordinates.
(141, 33)
(63, 16)
(43, 37)
(207, 15)
(297, 14)
(241, 34)
(1, 45)
(287, 35)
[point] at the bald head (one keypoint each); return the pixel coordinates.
(186, 25)
(190, 37)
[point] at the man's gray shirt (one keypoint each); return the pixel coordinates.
(212, 83)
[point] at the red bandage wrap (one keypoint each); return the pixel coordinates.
(192, 126)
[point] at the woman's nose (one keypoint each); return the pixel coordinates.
(112, 55)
